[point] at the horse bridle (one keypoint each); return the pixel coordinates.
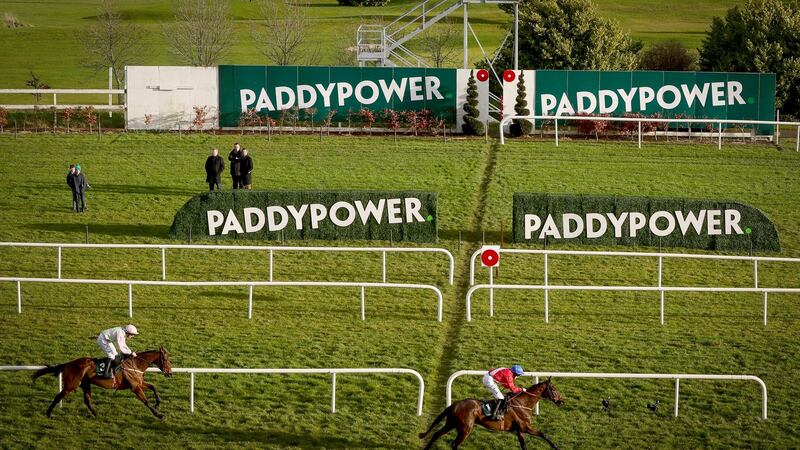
(160, 360)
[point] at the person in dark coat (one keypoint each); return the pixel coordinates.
(235, 157)
(247, 170)
(71, 184)
(214, 167)
(81, 185)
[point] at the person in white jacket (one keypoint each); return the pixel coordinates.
(106, 341)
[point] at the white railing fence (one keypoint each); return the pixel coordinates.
(249, 284)
(270, 249)
(333, 372)
(653, 376)
(54, 92)
(660, 287)
(640, 120)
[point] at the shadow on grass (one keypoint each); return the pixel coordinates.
(109, 229)
(282, 438)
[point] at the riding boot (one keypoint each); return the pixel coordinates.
(499, 410)
(108, 373)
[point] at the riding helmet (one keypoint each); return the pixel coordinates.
(131, 329)
(517, 369)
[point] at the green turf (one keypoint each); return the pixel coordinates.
(49, 45)
(140, 180)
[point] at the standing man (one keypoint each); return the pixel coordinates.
(235, 157)
(214, 167)
(247, 170)
(71, 184)
(79, 180)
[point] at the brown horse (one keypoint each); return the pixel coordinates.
(82, 373)
(463, 415)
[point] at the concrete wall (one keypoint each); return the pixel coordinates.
(169, 94)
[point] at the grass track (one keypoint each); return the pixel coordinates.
(141, 179)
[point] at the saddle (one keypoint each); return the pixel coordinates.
(103, 369)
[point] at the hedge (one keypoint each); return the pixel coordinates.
(193, 216)
(763, 235)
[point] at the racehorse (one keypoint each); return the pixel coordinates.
(463, 415)
(82, 373)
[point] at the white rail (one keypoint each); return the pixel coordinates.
(641, 120)
(270, 249)
(249, 284)
(333, 372)
(547, 287)
(655, 376)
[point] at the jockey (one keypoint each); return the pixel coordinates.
(111, 336)
(505, 377)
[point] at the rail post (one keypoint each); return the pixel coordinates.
(19, 297)
(60, 387)
(191, 391)
(660, 264)
(383, 265)
(491, 292)
(250, 304)
(719, 138)
(556, 122)
(270, 265)
(130, 300)
(363, 306)
(537, 403)
(677, 393)
(333, 392)
(765, 308)
(640, 136)
(163, 263)
(546, 293)
(755, 272)
(59, 262)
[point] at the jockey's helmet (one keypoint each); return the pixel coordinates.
(131, 329)
(517, 370)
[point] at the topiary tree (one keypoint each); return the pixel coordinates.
(521, 127)
(472, 122)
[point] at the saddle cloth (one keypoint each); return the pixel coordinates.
(100, 363)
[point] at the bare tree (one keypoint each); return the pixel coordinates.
(283, 39)
(202, 32)
(440, 44)
(110, 42)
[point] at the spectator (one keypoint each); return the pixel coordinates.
(247, 170)
(214, 167)
(81, 185)
(71, 184)
(235, 157)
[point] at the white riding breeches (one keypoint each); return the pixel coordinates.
(490, 384)
(108, 347)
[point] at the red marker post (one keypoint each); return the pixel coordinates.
(490, 257)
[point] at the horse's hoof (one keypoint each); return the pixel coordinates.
(160, 417)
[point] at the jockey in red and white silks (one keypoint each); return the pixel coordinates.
(505, 377)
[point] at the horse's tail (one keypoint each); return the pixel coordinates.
(55, 370)
(436, 421)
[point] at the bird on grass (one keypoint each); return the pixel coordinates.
(653, 406)
(607, 404)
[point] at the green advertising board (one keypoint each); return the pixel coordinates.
(642, 221)
(702, 95)
(270, 90)
(300, 215)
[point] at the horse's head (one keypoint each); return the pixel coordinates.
(163, 362)
(551, 393)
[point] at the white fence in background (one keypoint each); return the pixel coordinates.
(270, 249)
(333, 372)
(652, 376)
(547, 287)
(250, 284)
(504, 121)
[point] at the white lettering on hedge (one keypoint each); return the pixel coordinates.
(659, 223)
(215, 219)
(249, 226)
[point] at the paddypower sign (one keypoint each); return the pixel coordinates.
(642, 221)
(298, 215)
(273, 90)
(713, 95)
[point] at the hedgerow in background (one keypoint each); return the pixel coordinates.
(193, 216)
(521, 127)
(763, 235)
(472, 123)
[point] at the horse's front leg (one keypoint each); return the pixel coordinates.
(533, 431)
(87, 395)
(139, 392)
(521, 438)
(155, 393)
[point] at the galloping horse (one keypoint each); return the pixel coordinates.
(82, 373)
(463, 415)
